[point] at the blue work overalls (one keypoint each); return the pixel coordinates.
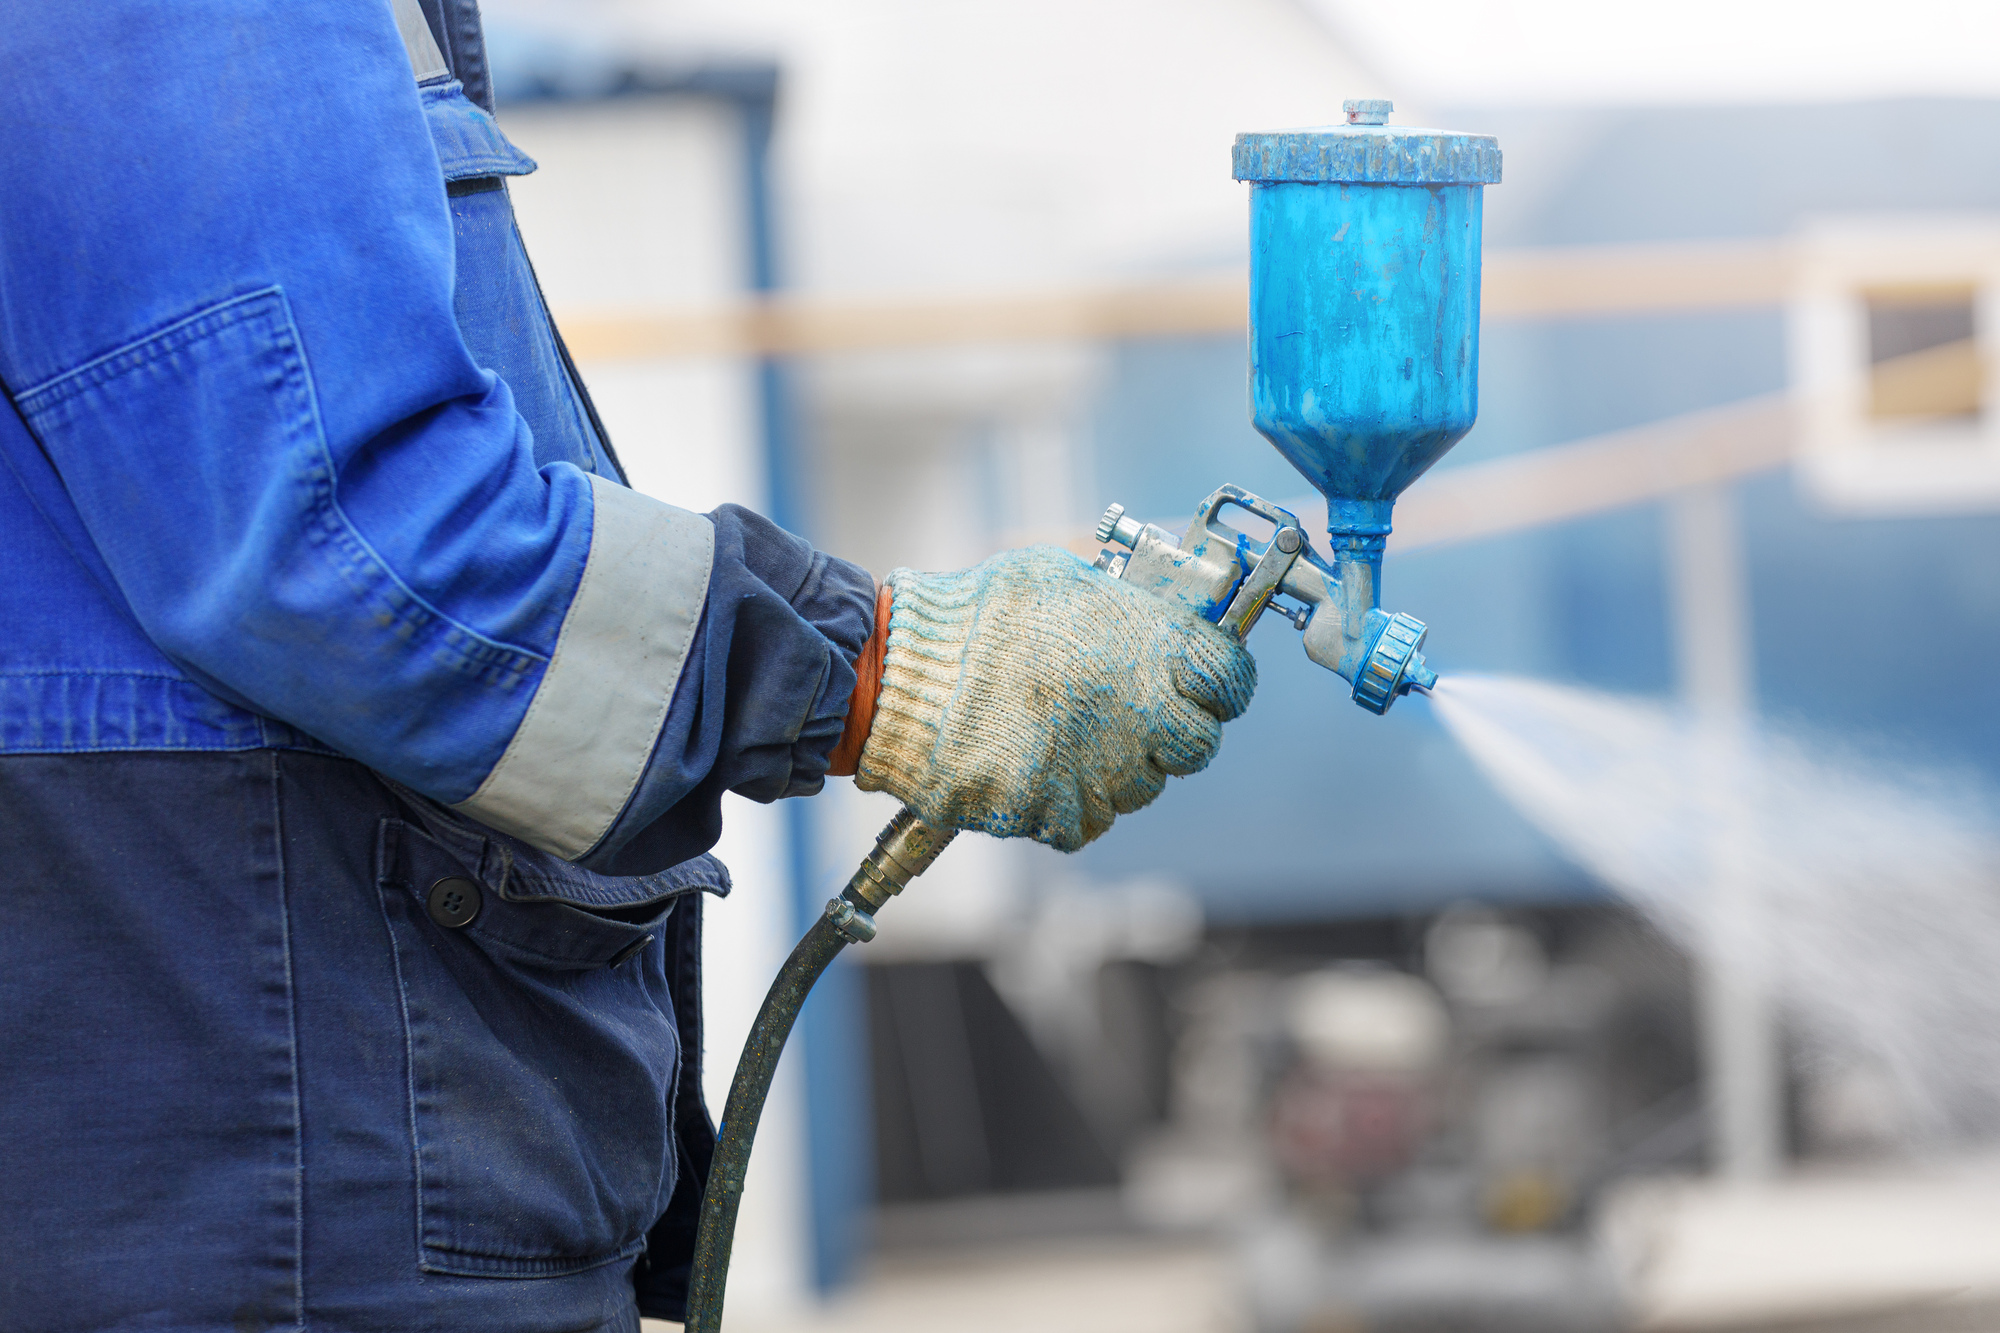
(285, 1044)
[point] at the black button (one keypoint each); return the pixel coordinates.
(453, 901)
(629, 950)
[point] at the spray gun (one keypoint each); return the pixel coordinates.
(1364, 361)
(1364, 356)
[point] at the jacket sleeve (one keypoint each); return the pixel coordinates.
(226, 282)
(761, 715)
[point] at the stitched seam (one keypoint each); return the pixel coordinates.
(59, 712)
(670, 1167)
(587, 898)
(482, 1263)
(382, 879)
(466, 166)
(145, 350)
(292, 1022)
(26, 672)
(185, 747)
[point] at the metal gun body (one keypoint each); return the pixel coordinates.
(1229, 578)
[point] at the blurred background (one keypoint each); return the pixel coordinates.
(1362, 1028)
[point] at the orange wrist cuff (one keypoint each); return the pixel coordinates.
(846, 758)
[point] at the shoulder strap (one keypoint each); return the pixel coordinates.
(426, 61)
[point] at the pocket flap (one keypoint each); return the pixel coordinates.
(469, 143)
(522, 873)
(550, 935)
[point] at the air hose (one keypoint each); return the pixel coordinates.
(905, 850)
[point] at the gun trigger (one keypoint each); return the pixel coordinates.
(1262, 584)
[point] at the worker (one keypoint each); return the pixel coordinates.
(363, 735)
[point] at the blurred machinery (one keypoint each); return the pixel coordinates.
(1394, 1123)
(1429, 1117)
(1360, 1096)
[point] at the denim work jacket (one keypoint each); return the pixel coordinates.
(292, 456)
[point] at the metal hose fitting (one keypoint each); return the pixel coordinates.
(904, 850)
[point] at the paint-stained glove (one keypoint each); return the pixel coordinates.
(1034, 696)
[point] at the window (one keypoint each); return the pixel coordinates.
(1892, 354)
(1923, 353)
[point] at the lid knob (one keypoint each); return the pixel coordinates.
(1367, 111)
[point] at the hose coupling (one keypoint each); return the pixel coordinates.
(904, 850)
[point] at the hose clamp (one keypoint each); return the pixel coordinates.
(849, 920)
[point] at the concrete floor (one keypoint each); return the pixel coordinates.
(1909, 1249)
(1098, 1286)
(1911, 1246)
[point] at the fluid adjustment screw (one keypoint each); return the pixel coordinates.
(1383, 678)
(1367, 111)
(1109, 522)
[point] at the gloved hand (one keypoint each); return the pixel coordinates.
(1035, 696)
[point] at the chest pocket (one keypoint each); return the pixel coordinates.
(499, 305)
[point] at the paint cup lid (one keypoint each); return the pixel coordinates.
(1366, 151)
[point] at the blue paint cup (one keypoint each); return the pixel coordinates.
(1364, 304)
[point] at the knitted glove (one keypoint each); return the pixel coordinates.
(1035, 696)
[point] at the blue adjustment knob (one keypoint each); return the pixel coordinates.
(1394, 665)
